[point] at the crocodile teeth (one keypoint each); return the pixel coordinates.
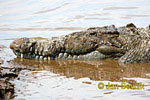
(60, 55)
(65, 55)
(37, 57)
(41, 57)
(21, 55)
(45, 58)
(49, 58)
(80, 57)
(74, 57)
(69, 57)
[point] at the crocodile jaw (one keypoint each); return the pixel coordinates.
(30, 48)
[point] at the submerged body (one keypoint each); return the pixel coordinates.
(128, 44)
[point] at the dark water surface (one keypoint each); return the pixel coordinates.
(68, 79)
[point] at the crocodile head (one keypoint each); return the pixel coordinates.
(22, 46)
(94, 43)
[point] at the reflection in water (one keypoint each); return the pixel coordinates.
(95, 70)
(78, 79)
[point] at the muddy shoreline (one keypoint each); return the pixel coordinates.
(6, 88)
(7, 73)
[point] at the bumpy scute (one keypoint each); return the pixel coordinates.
(128, 43)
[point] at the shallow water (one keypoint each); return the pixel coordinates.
(68, 79)
(78, 80)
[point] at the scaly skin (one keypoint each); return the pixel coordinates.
(129, 44)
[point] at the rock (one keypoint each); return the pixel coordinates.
(6, 90)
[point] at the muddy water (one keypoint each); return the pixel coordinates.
(67, 79)
(78, 80)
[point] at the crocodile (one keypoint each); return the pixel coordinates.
(127, 44)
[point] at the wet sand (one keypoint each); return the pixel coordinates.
(74, 79)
